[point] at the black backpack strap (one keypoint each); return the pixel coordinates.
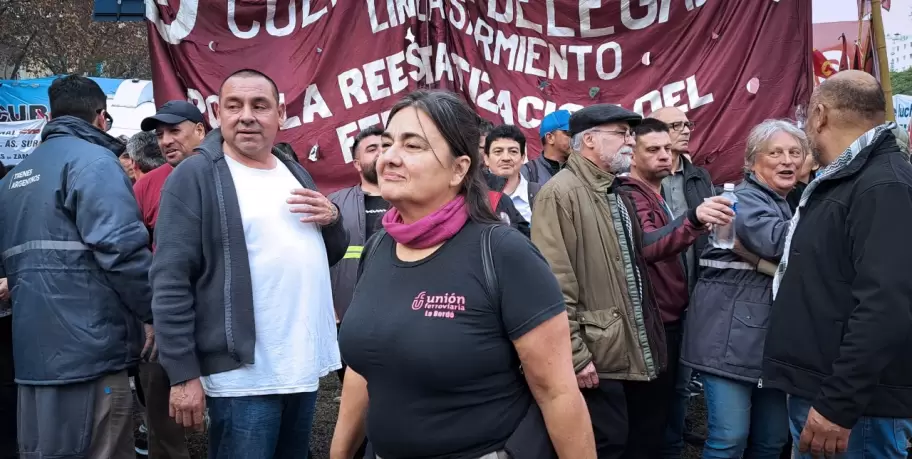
(369, 248)
(487, 260)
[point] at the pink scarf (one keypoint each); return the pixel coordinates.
(431, 230)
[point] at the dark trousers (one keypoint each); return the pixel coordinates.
(8, 445)
(649, 403)
(261, 427)
(608, 410)
(166, 438)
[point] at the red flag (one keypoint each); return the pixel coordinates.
(844, 60)
(856, 61)
(864, 6)
(870, 57)
(822, 67)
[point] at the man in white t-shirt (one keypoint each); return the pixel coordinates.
(242, 300)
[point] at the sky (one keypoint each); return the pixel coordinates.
(897, 20)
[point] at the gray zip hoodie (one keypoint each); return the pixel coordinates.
(202, 298)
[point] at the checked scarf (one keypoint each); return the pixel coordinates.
(846, 158)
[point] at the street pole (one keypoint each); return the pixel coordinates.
(879, 38)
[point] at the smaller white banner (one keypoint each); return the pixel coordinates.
(18, 139)
(902, 107)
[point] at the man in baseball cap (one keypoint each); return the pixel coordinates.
(555, 140)
(179, 127)
(586, 227)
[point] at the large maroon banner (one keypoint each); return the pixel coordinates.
(341, 64)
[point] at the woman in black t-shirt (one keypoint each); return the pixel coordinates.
(434, 357)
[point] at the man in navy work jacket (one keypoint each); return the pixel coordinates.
(840, 328)
(242, 295)
(76, 256)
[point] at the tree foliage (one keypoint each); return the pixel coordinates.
(902, 82)
(49, 37)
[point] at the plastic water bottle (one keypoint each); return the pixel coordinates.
(724, 235)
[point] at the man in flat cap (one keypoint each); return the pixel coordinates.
(588, 232)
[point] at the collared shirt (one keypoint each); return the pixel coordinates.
(520, 198)
(673, 190)
(676, 202)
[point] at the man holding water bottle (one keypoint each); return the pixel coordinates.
(666, 240)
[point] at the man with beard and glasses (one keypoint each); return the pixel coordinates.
(839, 329)
(588, 231)
(665, 240)
(242, 299)
(362, 208)
(505, 150)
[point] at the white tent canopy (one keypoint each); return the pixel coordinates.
(130, 105)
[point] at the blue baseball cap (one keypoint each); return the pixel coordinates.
(555, 121)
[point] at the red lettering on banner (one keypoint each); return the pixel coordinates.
(341, 65)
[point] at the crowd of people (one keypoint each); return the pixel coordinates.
(473, 303)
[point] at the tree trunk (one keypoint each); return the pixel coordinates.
(21, 57)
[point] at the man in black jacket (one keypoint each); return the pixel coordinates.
(841, 323)
(684, 189)
(241, 290)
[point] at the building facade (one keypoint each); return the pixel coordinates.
(899, 52)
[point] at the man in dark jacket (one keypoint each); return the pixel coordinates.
(840, 327)
(554, 132)
(665, 240)
(684, 189)
(362, 210)
(505, 150)
(177, 129)
(503, 206)
(242, 296)
(76, 254)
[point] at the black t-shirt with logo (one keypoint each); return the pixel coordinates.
(374, 208)
(442, 373)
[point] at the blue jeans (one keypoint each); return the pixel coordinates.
(261, 427)
(673, 444)
(737, 410)
(871, 438)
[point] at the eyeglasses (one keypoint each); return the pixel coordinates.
(679, 126)
(625, 134)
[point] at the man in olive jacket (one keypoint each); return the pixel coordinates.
(588, 233)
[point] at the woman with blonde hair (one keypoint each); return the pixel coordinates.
(730, 307)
